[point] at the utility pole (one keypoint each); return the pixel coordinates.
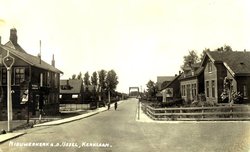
(8, 62)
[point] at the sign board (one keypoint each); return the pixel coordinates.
(34, 87)
(8, 61)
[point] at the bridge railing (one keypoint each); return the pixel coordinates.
(235, 112)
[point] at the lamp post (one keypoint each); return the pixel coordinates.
(8, 62)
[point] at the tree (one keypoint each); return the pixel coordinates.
(86, 79)
(79, 77)
(94, 79)
(102, 76)
(111, 80)
(73, 76)
(226, 48)
(151, 88)
(102, 84)
(203, 53)
(190, 59)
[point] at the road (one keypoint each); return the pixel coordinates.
(118, 131)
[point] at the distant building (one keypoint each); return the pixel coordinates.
(71, 91)
(172, 90)
(34, 83)
(162, 81)
(235, 65)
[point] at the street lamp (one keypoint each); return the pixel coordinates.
(8, 62)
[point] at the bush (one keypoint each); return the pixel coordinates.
(173, 103)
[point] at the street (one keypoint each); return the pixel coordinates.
(118, 131)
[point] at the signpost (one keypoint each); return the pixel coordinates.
(8, 62)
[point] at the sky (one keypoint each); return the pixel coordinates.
(139, 39)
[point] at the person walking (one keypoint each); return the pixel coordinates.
(108, 106)
(115, 105)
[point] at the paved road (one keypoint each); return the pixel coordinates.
(118, 131)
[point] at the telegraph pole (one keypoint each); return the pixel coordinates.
(8, 62)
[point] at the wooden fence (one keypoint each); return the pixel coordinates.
(73, 107)
(234, 112)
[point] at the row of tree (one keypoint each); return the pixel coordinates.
(103, 82)
(188, 60)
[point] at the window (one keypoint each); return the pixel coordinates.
(210, 66)
(19, 75)
(184, 90)
(74, 96)
(4, 76)
(194, 93)
(41, 79)
(56, 80)
(48, 79)
(245, 91)
(207, 88)
(213, 88)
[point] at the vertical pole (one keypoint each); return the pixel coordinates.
(138, 109)
(29, 88)
(109, 96)
(9, 99)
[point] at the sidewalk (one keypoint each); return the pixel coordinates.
(8, 136)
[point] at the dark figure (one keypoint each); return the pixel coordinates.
(108, 106)
(115, 105)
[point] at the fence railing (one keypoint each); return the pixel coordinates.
(73, 107)
(234, 112)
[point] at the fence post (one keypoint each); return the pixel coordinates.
(231, 111)
(180, 112)
(202, 111)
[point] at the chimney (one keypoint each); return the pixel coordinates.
(179, 72)
(13, 36)
(0, 40)
(40, 53)
(53, 61)
(245, 50)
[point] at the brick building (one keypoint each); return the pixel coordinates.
(29, 74)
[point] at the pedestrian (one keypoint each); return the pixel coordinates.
(108, 106)
(115, 105)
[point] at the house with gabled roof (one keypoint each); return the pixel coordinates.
(162, 81)
(233, 65)
(71, 91)
(34, 83)
(171, 91)
(192, 82)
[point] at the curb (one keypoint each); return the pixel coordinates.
(8, 136)
(66, 120)
(75, 118)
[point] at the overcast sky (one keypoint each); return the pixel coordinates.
(139, 39)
